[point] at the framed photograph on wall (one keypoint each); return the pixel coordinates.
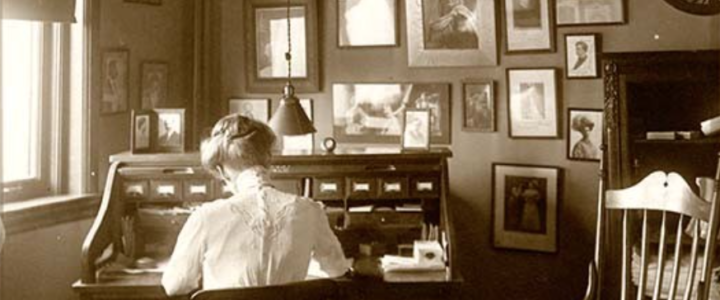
(525, 206)
(154, 85)
(141, 132)
(266, 26)
(170, 130)
(367, 23)
(479, 106)
(416, 129)
(581, 55)
(304, 143)
(585, 128)
(444, 33)
(529, 26)
(374, 112)
(590, 12)
(532, 103)
(114, 81)
(258, 109)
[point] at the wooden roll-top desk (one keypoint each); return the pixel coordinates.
(376, 200)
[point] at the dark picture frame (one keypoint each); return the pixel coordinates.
(357, 26)
(533, 103)
(529, 26)
(597, 12)
(142, 131)
(525, 206)
(434, 39)
(153, 84)
(373, 112)
(115, 81)
(581, 55)
(584, 131)
(258, 109)
(266, 45)
(170, 133)
(416, 129)
(479, 106)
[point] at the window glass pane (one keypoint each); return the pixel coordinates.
(21, 99)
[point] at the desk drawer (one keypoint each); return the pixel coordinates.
(385, 219)
(197, 190)
(393, 187)
(135, 189)
(328, 188)
(362, 188)
(165, 190)
(425, 186)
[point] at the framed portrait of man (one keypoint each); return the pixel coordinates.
(258, 109)
(170, 130)
(581, 55)
(451, 33)
(154, 86)
(114, 81)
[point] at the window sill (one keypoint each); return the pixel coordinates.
(48, 211)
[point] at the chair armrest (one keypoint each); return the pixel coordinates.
(591, 291)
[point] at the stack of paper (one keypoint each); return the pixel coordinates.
(394, 263)
(710, 126)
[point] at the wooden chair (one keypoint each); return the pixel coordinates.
(678, 265)
(321, 289)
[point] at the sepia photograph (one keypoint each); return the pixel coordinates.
(367, 23)
(581, 55)
(451, 33)
(479, 106)
(141, 137)
(416, 129)
(374, 112)
(170, 130)
(115, 82)
(525, 204)
(590, 12)
(585, 128)
(532, 103)
(154, 86)
(529, 26)
(258, 109)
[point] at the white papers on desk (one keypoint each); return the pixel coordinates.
(394, 263)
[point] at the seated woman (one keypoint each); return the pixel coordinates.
(259, 236)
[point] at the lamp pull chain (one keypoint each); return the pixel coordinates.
(288, 55)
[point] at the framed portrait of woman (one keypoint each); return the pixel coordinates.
(585, 127)
(525, 205)
(533, 103)
(416, 129)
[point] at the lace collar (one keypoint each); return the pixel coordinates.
(252, 179)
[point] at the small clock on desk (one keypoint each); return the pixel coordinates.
(704, 8)
(329, 145)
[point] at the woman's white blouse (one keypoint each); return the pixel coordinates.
(260, 236)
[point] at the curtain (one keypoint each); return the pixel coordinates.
(39, 10)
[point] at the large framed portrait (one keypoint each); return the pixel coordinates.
(301, 143)
(451, 33)
(114, 81)
(581, 55)
(525, 206)
(375, 112)
(529, 26)
(585, 129)
(590, 12)
(532, 103)
(258, 109)
(170, 130)
(141, 132)
(479, 106)
(154, 85)
(266, 25)
(416, 129)
(367, 23)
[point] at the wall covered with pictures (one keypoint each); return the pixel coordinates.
(490, 272)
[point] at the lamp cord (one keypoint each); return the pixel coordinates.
(288, 55)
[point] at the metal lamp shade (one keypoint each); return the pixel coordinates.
(290, 118)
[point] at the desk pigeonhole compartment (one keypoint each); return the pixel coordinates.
(393, 187)
(197, 190)
(328, 188)
(165, 190)
(361, 188)
(136, 190)
(425, 185)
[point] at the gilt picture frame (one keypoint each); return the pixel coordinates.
(266, 40)
(525, 206)
(529, 26)
(446, 33)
